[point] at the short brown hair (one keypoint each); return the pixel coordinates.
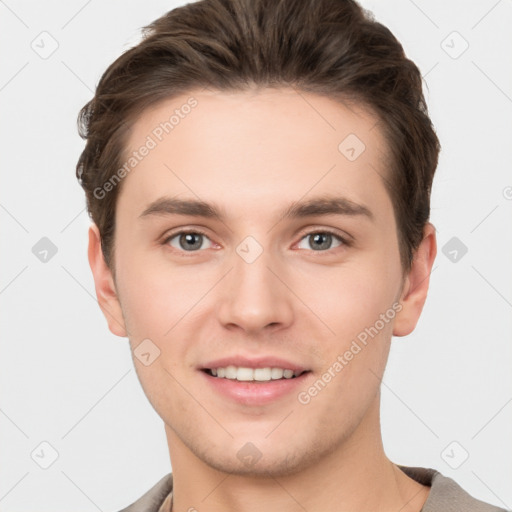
(329, 47)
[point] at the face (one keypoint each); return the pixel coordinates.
(258, 275)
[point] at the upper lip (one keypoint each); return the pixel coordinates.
(253, 362)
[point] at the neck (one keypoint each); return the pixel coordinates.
(355, 476)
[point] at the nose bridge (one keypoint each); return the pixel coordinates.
(254, 297)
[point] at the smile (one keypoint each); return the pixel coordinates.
(246, 374)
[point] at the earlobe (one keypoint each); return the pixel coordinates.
(414, 292)
(104, 284)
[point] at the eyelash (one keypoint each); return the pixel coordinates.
(343, 240)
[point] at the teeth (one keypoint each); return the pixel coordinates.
(241, 373)
(276, 373)
(231, 372)
(262, 374)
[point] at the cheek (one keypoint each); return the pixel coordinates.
(356, 304)
(349, 298)
(155, 295)
(155, 303)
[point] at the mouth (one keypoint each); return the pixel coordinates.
(248, 374)
(250, 380)
(255, 382)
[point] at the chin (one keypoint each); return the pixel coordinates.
(265, 467)
(261, 459)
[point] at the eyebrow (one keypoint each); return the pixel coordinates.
(326, 205)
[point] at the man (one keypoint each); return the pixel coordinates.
(259, 175)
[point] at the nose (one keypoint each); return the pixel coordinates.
(254, 296)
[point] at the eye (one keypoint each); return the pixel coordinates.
(322, 241)
(190, 241)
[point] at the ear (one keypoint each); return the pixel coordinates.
(104, 283)
(415, 288)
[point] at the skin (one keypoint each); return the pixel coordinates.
(253, 154)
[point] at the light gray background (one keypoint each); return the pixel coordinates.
(65, 379)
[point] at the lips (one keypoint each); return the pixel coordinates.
(255, 393)
(253, 381)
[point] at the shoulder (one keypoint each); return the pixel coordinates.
(151, 500)
(446, 495)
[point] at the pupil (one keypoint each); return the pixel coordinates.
(323, 240)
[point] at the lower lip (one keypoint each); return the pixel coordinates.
(254, 392)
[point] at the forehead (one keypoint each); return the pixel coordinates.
(238, 147)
